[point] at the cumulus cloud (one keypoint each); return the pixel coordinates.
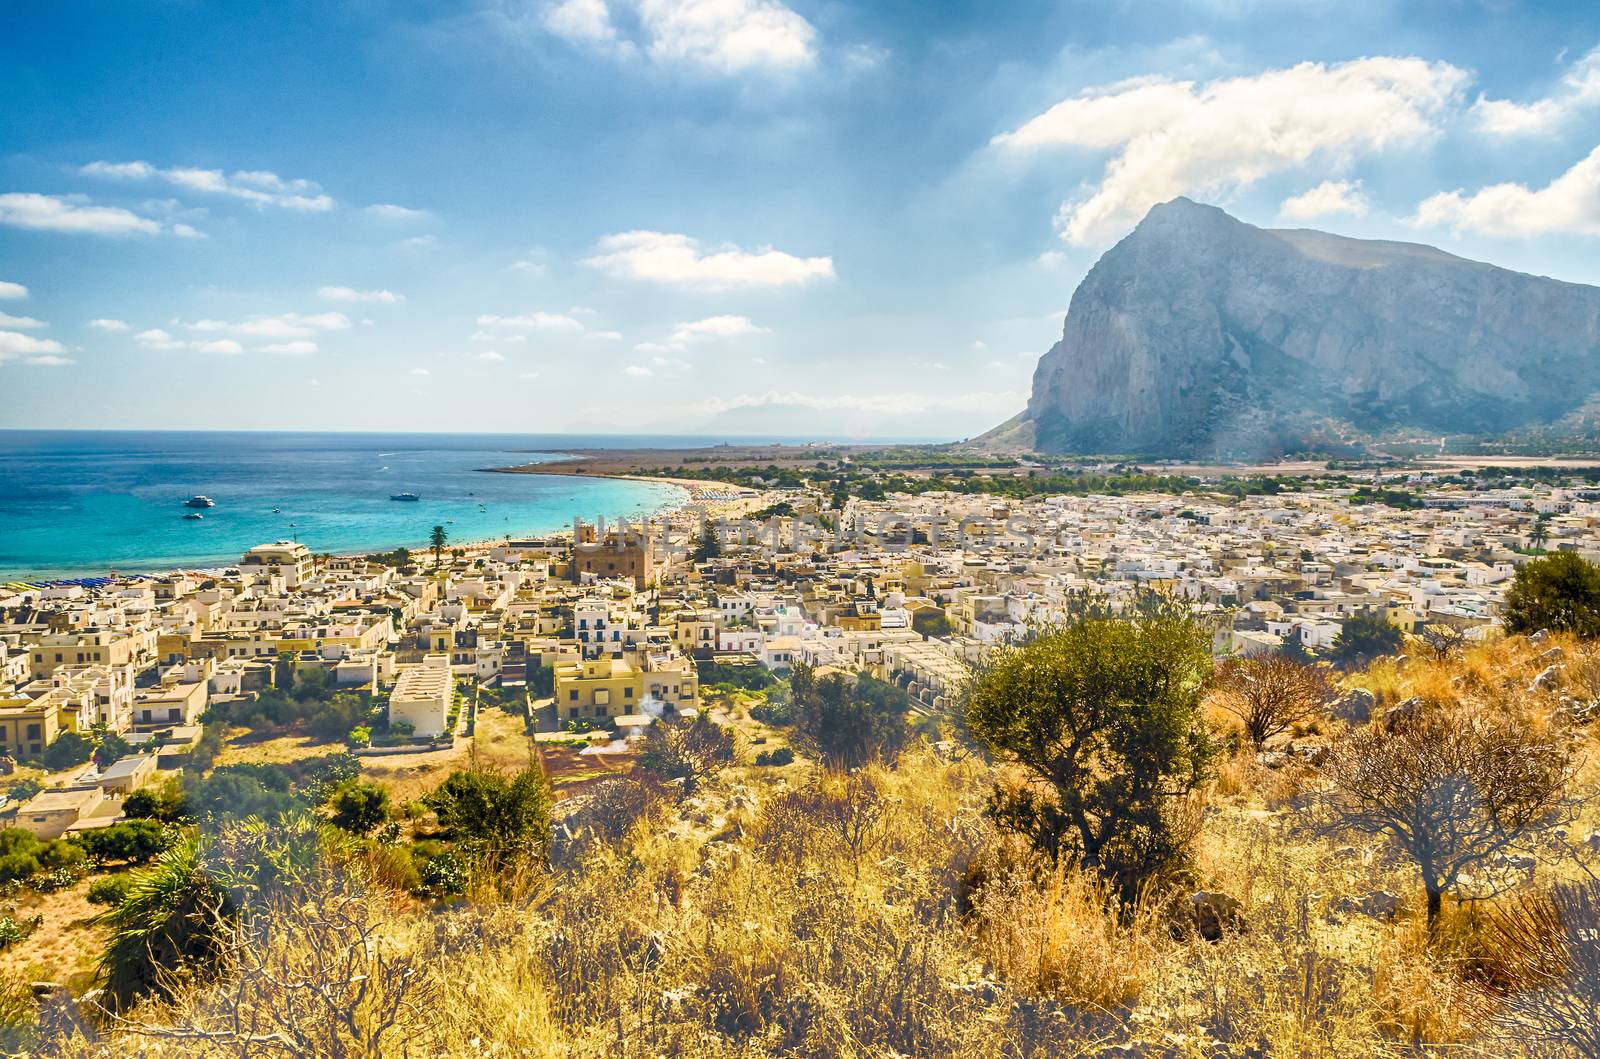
(711, 328)
(23, 323)
(1327, 199)
(226, 346)
(724, 37)
(12, 291)
(17, 346)
(57, 213)
(421, 371)
(637, 371)
(1578, 90)
(663, 257)
(1570, 203)
(1173, 138)
(156, 338)
(104, 324)
(259, 187)
(350, 294)
(490, 354)
(283, 325)
(388, 211)
(299, 347)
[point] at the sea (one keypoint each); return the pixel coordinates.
(91, 503)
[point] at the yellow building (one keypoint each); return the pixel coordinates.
(598, 688)
(27, 725)
(100, 648)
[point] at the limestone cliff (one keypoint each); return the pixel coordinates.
(1199, 334)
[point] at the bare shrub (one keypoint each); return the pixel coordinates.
(1271, 694)
(1449, 790)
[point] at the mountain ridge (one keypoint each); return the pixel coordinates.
(1198, 335)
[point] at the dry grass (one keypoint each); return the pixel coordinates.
(798, 914)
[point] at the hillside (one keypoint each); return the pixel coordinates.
(788, 911)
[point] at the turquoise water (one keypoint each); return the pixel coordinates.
(77, 503)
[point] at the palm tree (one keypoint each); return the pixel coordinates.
(1541, 532)
(438, 540)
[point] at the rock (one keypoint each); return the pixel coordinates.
(1553, 655)
(1354, 706)
(1547, 680)
(1592, 840)
(1401, 712)
(1314, 754)
(1198, 334)
(1215, 914)
(1273, 759)
(1375, 904)
(1542, 636)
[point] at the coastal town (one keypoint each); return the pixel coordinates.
(597, 635)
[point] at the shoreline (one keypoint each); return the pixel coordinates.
(677, 513)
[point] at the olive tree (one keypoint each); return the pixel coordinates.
(1103, 717)
(1449, 790)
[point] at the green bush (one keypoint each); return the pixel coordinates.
(109, 890)
(781, 756)
(133, 841)
(358, 807)
(69, 750)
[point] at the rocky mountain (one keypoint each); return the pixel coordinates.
(1200, 335)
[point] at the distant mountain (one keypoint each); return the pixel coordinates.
(1200, 335)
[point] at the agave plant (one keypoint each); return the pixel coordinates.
(176, 922)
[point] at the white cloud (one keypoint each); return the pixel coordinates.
(388, 211)
(663, 257)
(350, 294)
(718, 36)
(25, 323)
(258, 187)
(1178, 137)
(421, 371)
(711, 328)
(1578, 90)
(638, 371)
(155, 338)
(728, 36)
(283, 325)
(54, 213)
(1327, 199)
(225, 346)
(1570, 203)
(604, 336)
(12, 291)
(299, 347)
(47, 360)
(534, 321)
(581, 21)
(108, 325)
(930, 365)
(17, 346)
(490, 354)
(418, 242)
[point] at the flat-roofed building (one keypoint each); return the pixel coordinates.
(288, 559)
(421, 697)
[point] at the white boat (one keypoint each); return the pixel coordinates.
(199, 501)
(404, 496)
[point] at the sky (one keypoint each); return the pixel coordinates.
(781, 217)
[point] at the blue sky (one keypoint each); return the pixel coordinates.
(749, 216)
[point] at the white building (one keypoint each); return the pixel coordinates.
(421, 697)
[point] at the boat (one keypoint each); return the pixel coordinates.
(404, 496)
(194, 515)
(199, 501)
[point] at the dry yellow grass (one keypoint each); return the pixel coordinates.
(792, 913)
